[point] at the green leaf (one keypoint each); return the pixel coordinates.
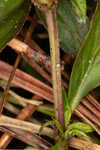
(45, 111)
(67, 110)
(80, 7)
(52, 122)
(71, 31)
(80, 133)
(81, 126)
(12, 17)
(78, 128)
(7, 7)
(85, 73)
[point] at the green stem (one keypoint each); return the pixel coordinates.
(56, 67)
(63, 144)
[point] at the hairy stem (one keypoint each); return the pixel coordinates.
(56, 67)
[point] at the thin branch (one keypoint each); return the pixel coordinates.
(3, 100)
(25, 100)
(4, 74)
(83, 145)
(92, 107)
(37, 68)
(26, 81)
(24, 125)
(35, 55)
(93, 101)
(31, 138)
(89, 114)
(24, 114)
(11, 108)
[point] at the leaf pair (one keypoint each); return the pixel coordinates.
(78, 129)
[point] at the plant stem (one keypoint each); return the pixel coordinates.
(56, 67)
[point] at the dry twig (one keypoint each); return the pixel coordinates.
(83, 145)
